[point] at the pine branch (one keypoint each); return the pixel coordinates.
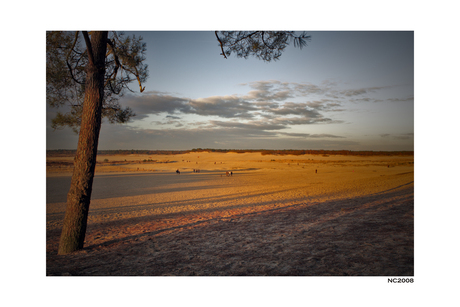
(221, 45)
(68, 56)
(89, 48)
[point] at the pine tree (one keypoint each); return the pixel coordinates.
(86, 73)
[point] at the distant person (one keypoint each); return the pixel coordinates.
(177, 172)
(316, 171)
(231, 173)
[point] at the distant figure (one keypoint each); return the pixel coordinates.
(227, 174)
(316, 171)
(231, 173)
(178, 172)
(388, 165)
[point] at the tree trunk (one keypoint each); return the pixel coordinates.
(78, 198)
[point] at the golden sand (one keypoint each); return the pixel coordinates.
(137, 194)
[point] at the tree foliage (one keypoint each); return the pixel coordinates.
(264, 45)
(66, 62)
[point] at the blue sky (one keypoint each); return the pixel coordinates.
(350, 90)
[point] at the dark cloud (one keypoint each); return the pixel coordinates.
(302, 109)
(156, 103)
(222, 106)
(267, 98)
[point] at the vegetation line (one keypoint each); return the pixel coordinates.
(70, 152)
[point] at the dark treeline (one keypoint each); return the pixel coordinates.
(297, 152)
(68, 152)
(337, 152)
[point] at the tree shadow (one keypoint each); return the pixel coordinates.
(318, 212)
(369, 235)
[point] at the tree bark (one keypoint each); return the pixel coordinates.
(79, 196)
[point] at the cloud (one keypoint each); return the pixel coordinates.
(291, 108)
(260, 95)
(355, 92)
(289, 121)
(272, 90)
(400, 136)
(265, 86)
(362, 91)
(263, 102)
(325, 105)
(307, 89)
(266, 104)
(259, 118)
(410, 99)
(173, 117)
(253, 126)
(266, 98)
(222, 106)
(156, 103)
(314, 136)
(174, 123)
(268, 108)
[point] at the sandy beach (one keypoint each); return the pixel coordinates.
(276, 215)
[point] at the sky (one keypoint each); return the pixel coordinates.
(346, 90)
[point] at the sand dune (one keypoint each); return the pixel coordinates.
(136, 203)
